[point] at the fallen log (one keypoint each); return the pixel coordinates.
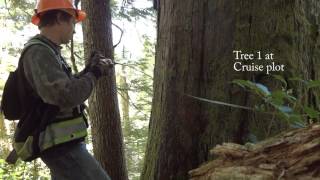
(292, 155)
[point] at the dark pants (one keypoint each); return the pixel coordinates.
(73, 163)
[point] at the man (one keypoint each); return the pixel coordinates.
(60, 138)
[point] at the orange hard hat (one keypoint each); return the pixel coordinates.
(46, 5)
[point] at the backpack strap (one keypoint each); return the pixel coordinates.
(39, 42)
(36, 41)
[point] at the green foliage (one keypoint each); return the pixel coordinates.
(19, 11)
(22, 170)
(2, 82)
(129, 13)
(127, 10)
(282, 102)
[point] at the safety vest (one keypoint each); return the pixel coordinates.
(53, 134)
(39, 129)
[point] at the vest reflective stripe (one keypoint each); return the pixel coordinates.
(24, 149)
(62, 132)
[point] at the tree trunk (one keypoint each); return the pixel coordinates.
(194, 56)
(104, 110)
(124, 92)
(127, 124)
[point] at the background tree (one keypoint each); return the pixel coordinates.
(135, 17)
(135, 92)
(125, 110)
(194, 56)
(104, 110)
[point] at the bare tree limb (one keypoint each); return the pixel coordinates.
(132, 104)
(133, 66)
(114, 46)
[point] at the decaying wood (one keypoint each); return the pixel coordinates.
(291, 155)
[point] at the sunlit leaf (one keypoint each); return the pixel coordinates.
(285, 109)
(264, 89)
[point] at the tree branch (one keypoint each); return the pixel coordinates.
(114, 46)
(132, 66)
(133, 104)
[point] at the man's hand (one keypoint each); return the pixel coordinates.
(106, 62)
(99, 65)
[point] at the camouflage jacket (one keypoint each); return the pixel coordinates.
(48, 75)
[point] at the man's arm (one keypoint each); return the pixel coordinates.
(51, 83)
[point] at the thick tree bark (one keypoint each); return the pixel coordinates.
(103, 103)
(173, 129)
(194, 55)
(291, 155)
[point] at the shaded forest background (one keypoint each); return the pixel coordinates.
(134, 27)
